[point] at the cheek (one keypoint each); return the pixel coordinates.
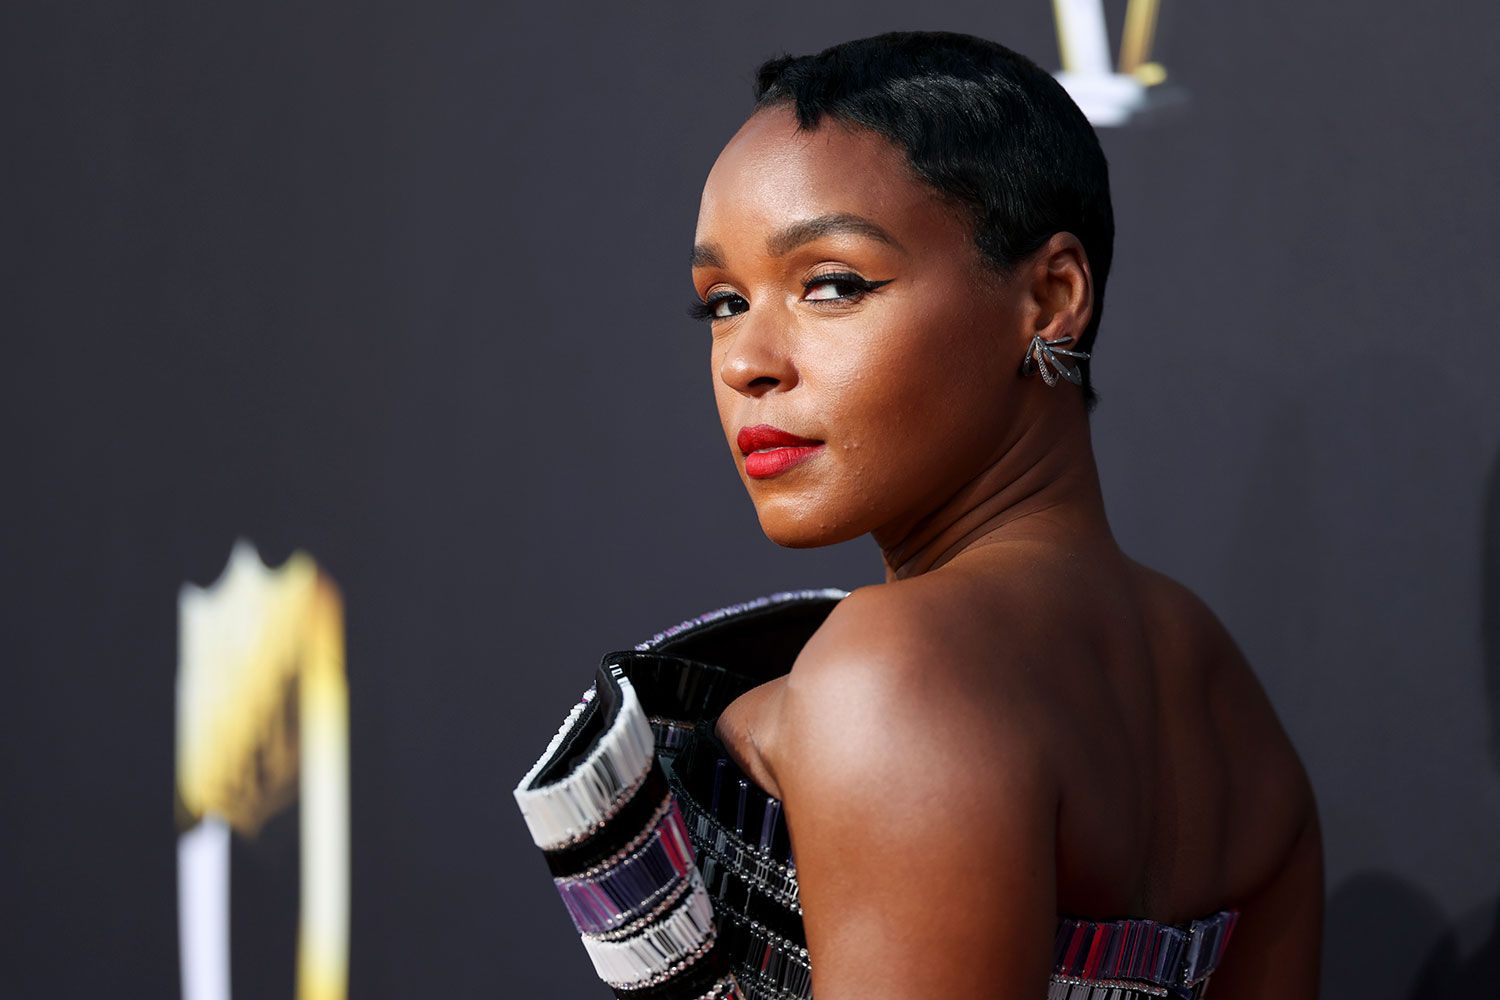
(916, 405)
(910, 378)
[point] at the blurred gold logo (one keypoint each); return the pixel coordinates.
(262, 722)
(1107, 94)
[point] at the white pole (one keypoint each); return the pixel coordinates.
(203, 910)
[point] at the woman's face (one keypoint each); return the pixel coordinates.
(852, 313)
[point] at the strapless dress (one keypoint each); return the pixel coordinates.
(678, 870)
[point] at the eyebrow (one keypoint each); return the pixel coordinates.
(793, 236)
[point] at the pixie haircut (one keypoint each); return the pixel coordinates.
(986, 127)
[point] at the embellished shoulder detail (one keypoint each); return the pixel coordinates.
(598, 805)
(677, 869)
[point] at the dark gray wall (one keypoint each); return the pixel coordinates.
(402, 286)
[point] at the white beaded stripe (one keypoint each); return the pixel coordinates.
(580, 801)
(657, 949)
(557, 739)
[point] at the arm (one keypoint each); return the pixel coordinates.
(922, 824)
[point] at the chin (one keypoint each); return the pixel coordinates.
(803, 525)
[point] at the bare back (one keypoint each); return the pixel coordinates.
(1179, 791)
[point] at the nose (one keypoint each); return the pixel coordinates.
(757, 357)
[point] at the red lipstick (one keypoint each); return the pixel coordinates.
(769, 450)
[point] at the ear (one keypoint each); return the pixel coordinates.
(1058, 289)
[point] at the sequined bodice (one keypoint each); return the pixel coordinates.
(677, 868)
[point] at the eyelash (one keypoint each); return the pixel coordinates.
(705, 310)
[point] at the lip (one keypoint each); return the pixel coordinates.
(770, 451)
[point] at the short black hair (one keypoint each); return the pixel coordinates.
(982, 124)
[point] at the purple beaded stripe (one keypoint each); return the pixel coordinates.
(605, 900)
(718, 614)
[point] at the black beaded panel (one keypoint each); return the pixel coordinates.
(746, 864)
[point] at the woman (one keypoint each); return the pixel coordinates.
(1025, 764)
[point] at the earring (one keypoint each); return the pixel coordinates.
(1040, 352)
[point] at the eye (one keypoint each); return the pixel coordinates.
(725, 305)
(854, 286)
(709, 308)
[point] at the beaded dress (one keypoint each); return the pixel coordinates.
(677, 869)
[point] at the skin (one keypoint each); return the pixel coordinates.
(1018, 689)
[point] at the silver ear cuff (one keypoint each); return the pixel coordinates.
(1042, 352)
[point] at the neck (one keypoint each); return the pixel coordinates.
(1040, 484)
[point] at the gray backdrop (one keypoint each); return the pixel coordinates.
(402, 286)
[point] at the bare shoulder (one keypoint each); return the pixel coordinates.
(957, 661)
(916, 652)
(1187, 623)
(894, 703)
(889, 658)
